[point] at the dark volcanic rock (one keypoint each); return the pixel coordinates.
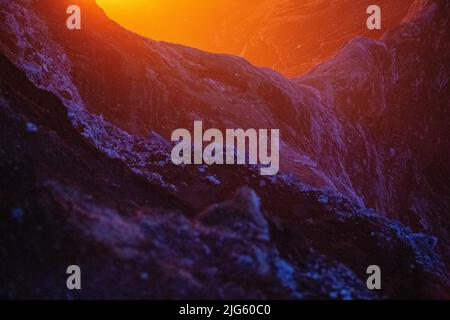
(87, 177)
(241, 215)
(290, 36)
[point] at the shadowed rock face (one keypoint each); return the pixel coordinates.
(86, 173)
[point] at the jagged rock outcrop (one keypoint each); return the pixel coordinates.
(241, 215)
(87, 178)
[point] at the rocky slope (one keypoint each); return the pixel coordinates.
(364, 129)
(289, 36)
(294, 36)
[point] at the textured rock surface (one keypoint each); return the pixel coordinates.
(293, 36)
(86, 174)
(289, 36)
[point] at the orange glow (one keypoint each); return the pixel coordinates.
(290, 36)
(178, 21)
